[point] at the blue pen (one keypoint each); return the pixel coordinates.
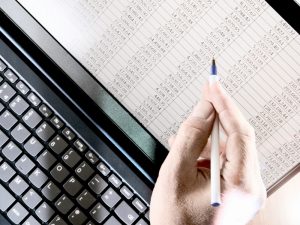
(215, 151)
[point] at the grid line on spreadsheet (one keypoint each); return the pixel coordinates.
(167, 52)
(128, 38)
(228, 46)
(206, 68)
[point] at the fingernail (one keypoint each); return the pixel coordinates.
(203, 110)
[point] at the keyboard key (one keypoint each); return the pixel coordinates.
(46, 159)
(32, 118)
(139, 205)
(1, 107)
(99, 213)
(147, 215)
(72, 186)
(56, 122)
(68, 134)
(18, 105)
(92, 157)
(18, 185)
(110, 198)
(2, 66)
(6, 92)
(38, 178)
(112, 221)
(85, 199)
(34, 99)
(11, 76)
(3, 138)
(22, 87)
(58, 144)
(31, 199)
(141, 222)
(77, 217)
(6, 172)
(84, 171)
(79, 145)
(45, 131)
(7, 120)
(51, 191)
(71, 158)
(90, 223)
(11, 151)
(33, 146)
(24, 164)
(97, 184)
(64, 204)
(44, 212)
(114, 180)
(126, 213)
(58, 221)
(6, 199)
(45, 110)
(126, 192)
(31, 221)
(20, 133)
(59, 172)
(17, 213)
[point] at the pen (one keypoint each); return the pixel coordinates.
(215, 152)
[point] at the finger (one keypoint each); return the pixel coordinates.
(192, 135)
(230, 116)
(204, 159)
(205, 162)
(206, 150)
(240, 153)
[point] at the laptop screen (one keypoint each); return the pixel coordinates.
(154, 57)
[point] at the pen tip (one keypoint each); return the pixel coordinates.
(213, 67)
(213, 62)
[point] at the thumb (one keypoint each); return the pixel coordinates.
(192, 136)
(240, 152)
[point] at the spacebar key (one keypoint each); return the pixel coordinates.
(6, 199)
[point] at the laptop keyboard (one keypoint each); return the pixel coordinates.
(48, 174)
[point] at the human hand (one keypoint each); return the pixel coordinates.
(182, 192)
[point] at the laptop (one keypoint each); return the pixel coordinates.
(71, 152)
(67, 156)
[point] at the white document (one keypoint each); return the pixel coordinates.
(154, 56)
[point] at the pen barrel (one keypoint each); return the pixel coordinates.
(215, 155)
(215, 165)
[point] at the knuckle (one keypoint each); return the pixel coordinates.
(193, 125)
(245, 131)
